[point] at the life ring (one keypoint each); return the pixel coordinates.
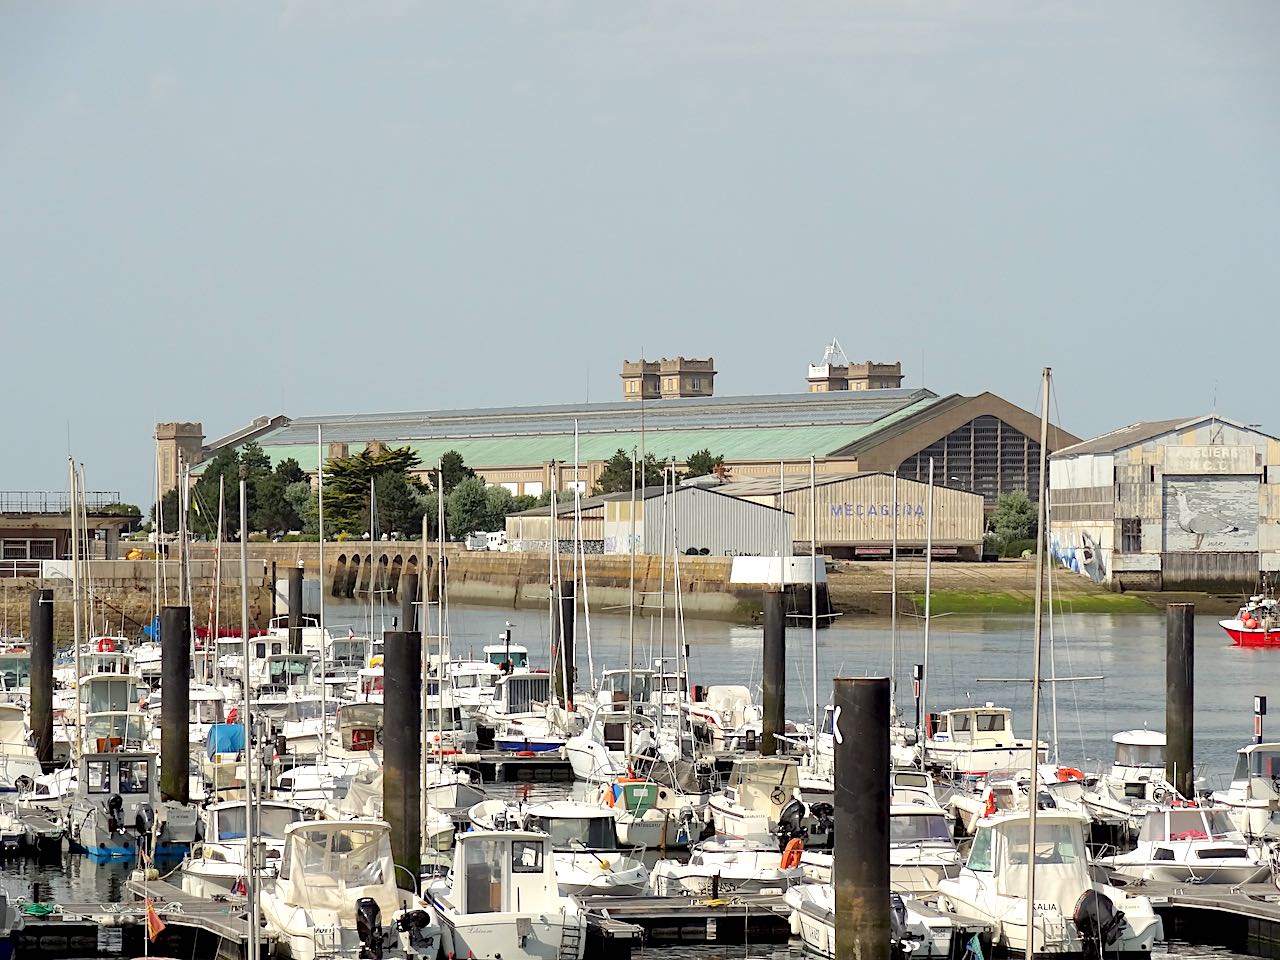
(525, 753)
(1067, 774)
(791, 855)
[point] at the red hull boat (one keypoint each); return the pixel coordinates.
(1258, 636)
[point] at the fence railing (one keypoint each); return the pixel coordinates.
(45, 501)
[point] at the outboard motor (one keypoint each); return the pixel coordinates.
(823, 817)
(1099, 923)
(791, 822)
(143, 821)
(413, 922)
(901, 943)
(369, 928)
(115, 813)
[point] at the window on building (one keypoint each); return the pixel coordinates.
(695, 383)
(1131, 535)
(25, 549)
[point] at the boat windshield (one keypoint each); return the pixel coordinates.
(271, 822)
(15, 670)
(1263, 762)
(1055, 843)
(447, 718)
(1139, 755)
(573, 834)
(1192, 824)
(302, 710)
(353, 856)
(914, 827)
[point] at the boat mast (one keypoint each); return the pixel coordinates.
(251, 831)
(324, 637)
(813, 588)
(75, 600)
(1041, 511)
(631, 612)
(216, 617)
(893, 606)
(923, 735)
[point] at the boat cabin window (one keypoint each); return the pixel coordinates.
(483, 867)
(827, 725)
(960, 722)
(1193, 824)
(519, 658)
(288, 671)
(1258, 763)
(271, 822)
(573, 834)
(526, 856)
(914, 827)
(98, 776)
(1055, 843)
(980, 852)
(134, 776)
(1139, 755)
(302, 710)
(15, 671)
(447, 718)
(206, 711)
(990, 722)
(371, 684)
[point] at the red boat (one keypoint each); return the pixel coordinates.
(1256, 625)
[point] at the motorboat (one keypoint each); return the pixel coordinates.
(19, 767)
(588, 856)
(364, 798)
(757, 790)
(973, 741)
(15, 672)
(720, 867)
(1135, 783)
(613, 736)
(916, 929)
(520, 717)
(1256, 624)
(502, 898)
(217, 864)
(471, 683)
(335, 896)
(922, 852)
(1074, 912)
(509, 658)
(727, 719)
(1190, 844)
(651, 814)
(116, 808)
(1254, 794)
(204, 708)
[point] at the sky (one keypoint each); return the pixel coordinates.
(214, 211)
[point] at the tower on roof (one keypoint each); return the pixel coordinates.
(835, 372)
(664, 379)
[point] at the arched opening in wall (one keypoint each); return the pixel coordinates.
(353, 576)
(397, 565)
(429, 579)
(339, 582)
(366, 575)
(384, 577)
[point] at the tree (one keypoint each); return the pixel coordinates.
(169, 511)
(202, 520)
(273, 511)
(346, 490)
(453, 469)
(702, 463)
(306, 506)
(1014, 517)
(399, 509)
(468, 508)
(615, 477)
(124, 510)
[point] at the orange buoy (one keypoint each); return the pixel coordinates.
(791, 855)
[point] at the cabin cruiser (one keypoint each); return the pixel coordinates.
(727, 719)
(618, 687)
(916, 930)
(612, 737)
(1135, 783)
(1254, 795)
(502, 898)
(335, 896)
(752, 803)
(1190, 845)
(721, 867)
(651, 814)
(521, 718)
(204, 708)
(588, 857)
(19, 767)
(471, 683)
(116, 807)
(922, 852)
(507, 657)
(303, 723)
(1074, 913)
(217, 863)
(976, 740)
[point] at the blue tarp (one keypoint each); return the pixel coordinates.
(225, 738)
(152, 630)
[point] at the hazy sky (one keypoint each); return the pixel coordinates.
(211, 211)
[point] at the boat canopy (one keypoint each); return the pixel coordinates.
(1061, 859)
(1139, 748)
(330, 865)
(1188, 823)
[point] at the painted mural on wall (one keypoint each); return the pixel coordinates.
(1080, 554)
(1210, 514)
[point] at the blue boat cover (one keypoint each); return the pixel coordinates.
(225, 738)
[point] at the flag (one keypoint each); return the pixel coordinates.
(155, 926)
(351, 633)
(989, 802)
(974, 947)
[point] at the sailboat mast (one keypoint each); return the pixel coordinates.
(893, 605)
(631, 612)
(324, 637)
(75, 599)
(1041, 511)
(251, 880)
(923, 735)
(813, 587)
(216, 625)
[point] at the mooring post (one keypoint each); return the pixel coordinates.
(175, 695)
(775, 671)
(408, 602)
(563, 639)
(42, 674)
(860, 866)
(295, 609)
(1179, 711)
(402, 751)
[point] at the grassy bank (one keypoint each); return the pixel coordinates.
(972, 601)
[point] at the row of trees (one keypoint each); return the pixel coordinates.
(270, 504)
(615, 477)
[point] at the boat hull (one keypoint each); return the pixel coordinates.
(1242, 636)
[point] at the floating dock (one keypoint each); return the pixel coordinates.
(1245, 919)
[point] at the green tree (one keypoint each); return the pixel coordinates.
(306, 506)
(124, 510)
(453, 469)
(169, 510)
(615, 477)
(1014, 517)
(399, 509)
(467, 508)
(702, 463)
(346, 490)
(202, 520)
(273, 511)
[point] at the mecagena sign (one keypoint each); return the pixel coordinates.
(876, 509)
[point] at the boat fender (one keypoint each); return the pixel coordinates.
(791, 855)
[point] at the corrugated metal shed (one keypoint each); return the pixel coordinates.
(695, 519)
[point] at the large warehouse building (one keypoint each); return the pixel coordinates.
(1169, 504)
(982, 443)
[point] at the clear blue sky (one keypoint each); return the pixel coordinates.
(211, 211)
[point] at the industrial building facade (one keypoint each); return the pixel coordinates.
(1169, 504)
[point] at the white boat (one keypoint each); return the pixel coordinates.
(588, 856)
(614, 735)
(15, 671)
(652, 815)
(19, 767)
(973, 741)
(1074, 913)
(922, 852)
(116, 807)
(1135, 783)
(217, 863)
(1254, 794)
(502, 898)
(335, 896)
(364, 798)
(724, 867)
(1190, 845)
(916, 930)
(204, 708)
(507, 657)
(471, 683)
(748, 806)
(727, 719)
